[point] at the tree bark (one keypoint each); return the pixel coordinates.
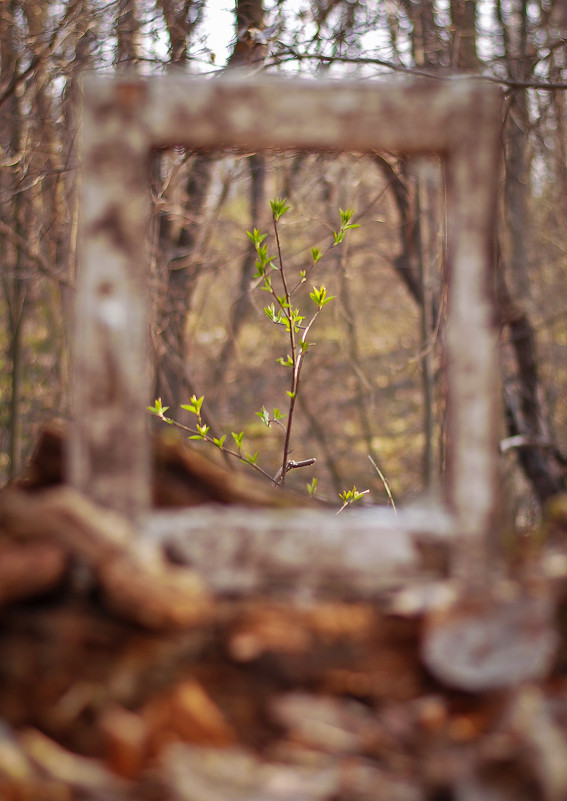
(257, 170)
(249, 51)
(524, 408)
(540, 460)
(127, 30)
(14, 286)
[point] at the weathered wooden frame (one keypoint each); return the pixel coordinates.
(123, 120)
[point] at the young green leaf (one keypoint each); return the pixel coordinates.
(316, 254)
(256, 236)
(219, 441)
(296, 320)
(351, 496)
(264, 416)
(195, 405)
(319, 296)
(238, 438)
(346, 216)
(270, 313)
(279, 207)
(312, 487)
(158, 409)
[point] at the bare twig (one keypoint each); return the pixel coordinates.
(290, 54)
(385, 483)
(291, 465)
(524, 441)
(20, 77)
(43, 263)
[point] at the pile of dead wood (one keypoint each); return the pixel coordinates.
(128, 673)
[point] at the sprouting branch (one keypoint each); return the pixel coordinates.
(201, 433)
(282, 312)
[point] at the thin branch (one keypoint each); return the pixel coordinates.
(293, 55)
(524, 441)
(294, 357)
(16, 80)
(33, 254)
(385, 483)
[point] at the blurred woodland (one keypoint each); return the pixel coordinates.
(284, 655)
(373, 386)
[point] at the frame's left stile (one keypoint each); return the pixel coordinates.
(109, 448)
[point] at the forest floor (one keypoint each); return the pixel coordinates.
(128, 673)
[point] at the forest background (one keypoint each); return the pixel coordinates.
(373, 385)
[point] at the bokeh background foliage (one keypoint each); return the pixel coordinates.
(374, 381)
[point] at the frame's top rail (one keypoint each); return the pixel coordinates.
(290, 113)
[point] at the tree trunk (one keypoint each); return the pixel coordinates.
(410, 268)
(542, 463)
(127, 28)
(257, 169)
(14, 286)
(526, 415)
(249, 51)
